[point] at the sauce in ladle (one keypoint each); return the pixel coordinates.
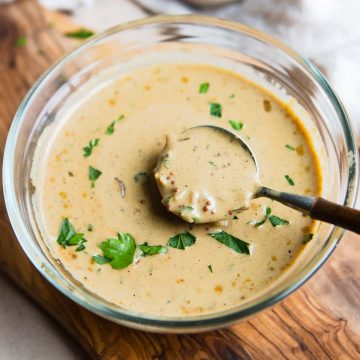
(205, 175)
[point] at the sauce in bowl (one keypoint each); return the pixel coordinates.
(99, 209)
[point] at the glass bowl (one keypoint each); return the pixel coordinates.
(240, 48)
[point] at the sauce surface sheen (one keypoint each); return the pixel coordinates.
(141, 108)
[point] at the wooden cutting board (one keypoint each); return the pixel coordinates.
(319, 321)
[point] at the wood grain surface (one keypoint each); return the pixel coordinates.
(319, 321)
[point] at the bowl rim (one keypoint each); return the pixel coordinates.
(213, 320)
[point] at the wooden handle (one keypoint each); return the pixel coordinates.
(343, 216)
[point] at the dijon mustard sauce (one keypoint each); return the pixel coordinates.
(99, 209)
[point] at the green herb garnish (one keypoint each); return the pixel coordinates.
(69, 237)
(119, 253)
(101, 260)
(142, 178)
(93, 175)
(204, 87)
(90, 227)
(232, 96)
(215, 110)
(89, 148)
(276, 221)
(213, 164)
(111, 128)
(289, 180)
(232, 242)
(152, 250)
(210, 268)
(290, 147)
(182, 240)
(81, 33)
(21, 41)
(258, 223)
(308, 237)
(236, 125)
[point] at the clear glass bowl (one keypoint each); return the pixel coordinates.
(216, 41)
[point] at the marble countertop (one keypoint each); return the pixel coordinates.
(326, 31)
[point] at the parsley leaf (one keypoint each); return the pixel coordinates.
(81, 33)
(258, 223)
(232, 242)
(101, 260)
(69, 237)
(215, 109)
(276, 221)
(204, 87)
(290, 147)
(182, 240)
(152, 250)
(185, 208)
(93, 175)
(21, 41)
(89, 148)
(142, 178)
(289, 180)
(236, 125)
(119, 253)
(111, 128)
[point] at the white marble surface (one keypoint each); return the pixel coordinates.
(327, 31)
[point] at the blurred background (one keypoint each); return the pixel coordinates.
(326, 31)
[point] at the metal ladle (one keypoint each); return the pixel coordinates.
(317, 207)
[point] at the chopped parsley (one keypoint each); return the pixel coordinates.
(258, 223)
(276, 221)
(232, 242)
(90, 227)
(69, 237)
(21, 41)
(81, 33)
(93, 175)
(210, 268)
(273, 219)
(231, 96)
(204, 87)
(215, 109)
(148, 250)
(111, 128)
(213, 164)
(182, 240)
(89, 148)
(142, 178)
(289, 180)
(236, 125)
(290, 147)
(119, 252)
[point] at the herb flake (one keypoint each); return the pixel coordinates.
(69, 237)
(81, 33)
(236, 125)
(276, 221)
(111, 128)
(182, 240)
(142, 178)
(210, 268)
(204, 87)
(149, 250)
(289, 180)
(216, 109)
(94, 174)
(89, 148)
(232, 242)
(289, 147)
(21, 41)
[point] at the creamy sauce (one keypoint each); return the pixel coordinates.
(154, 101)
(206, 175)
